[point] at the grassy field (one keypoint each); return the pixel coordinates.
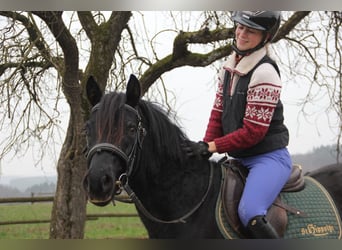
(102, 228)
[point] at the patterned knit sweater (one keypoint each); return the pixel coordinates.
(262, 97)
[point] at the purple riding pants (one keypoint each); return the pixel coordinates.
(268, 174)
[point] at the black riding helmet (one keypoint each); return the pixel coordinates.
(266, 21)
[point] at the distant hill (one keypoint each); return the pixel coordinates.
(23, 183)
(25, 186)
(318, 157)
(7, 191)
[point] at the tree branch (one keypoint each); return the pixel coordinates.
(88, 23)
(35, 37)
(54, 21)
(26, 64)
(181, 56)
(289, 25)
(190, 59)
(108, 36)
(203, 36)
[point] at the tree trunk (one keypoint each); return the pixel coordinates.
(69, 207)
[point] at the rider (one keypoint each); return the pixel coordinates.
(246, 120)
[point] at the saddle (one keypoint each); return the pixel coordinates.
(233, 183)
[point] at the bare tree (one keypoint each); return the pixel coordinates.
(41, 60)
(313, 50)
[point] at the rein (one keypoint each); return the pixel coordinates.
(181, 219)
(129, 160)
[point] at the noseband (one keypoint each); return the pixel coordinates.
(98, 148)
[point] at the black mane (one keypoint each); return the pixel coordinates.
(167, 136)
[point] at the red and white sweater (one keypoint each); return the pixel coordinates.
(262, 97)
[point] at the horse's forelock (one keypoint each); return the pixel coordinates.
(109, 118)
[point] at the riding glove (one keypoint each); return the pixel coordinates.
(197, 149)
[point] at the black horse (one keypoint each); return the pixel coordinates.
(133, 144)
(330, 177)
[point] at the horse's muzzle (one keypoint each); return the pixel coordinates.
(103, 191)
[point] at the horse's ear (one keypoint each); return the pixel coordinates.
(94, 93)
(133, 91)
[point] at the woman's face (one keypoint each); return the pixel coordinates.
(247, 38)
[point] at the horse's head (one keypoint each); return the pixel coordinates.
(114, 134)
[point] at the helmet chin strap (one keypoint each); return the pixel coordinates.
(249, 51)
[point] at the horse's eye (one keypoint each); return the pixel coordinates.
(131, 130)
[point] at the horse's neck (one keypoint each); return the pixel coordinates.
(165, 182)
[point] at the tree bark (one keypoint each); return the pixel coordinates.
(69, 207)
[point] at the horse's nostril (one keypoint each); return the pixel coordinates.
(107, 183)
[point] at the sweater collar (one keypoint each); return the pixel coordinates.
(246, 64)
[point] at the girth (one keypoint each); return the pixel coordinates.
(234, 178)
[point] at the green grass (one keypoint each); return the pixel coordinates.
(121, 227)
(102, 228)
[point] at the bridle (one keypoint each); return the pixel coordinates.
(129, 160)
(115, 150)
